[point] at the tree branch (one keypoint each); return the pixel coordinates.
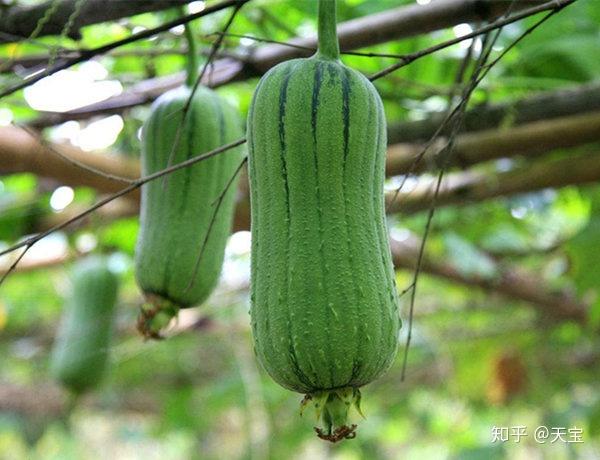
(87, 54)
(511, 282)
(472, 148)
(459, 189)
(552, 5)
(27, 243)
(401, 22)
(34, 60)
(22, 152)
(544, 106)
(471, 187)
(21, 21)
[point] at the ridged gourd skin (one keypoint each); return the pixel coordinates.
(80, 353)
(176, 213)
(323, 297)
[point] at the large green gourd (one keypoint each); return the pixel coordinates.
(177, 264)
(80, 352)
(323, 297)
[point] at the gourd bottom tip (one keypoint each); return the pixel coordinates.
(332, 408)
(339, 434)
(154, 316)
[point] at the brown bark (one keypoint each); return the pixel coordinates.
(87, 54)
(20, 151)
(21, 21)
(471, 148)
(27, 265)
(459, 189)
(472, 187)
(402, 22)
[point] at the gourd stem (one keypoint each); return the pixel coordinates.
(328, 41)
(192, 54)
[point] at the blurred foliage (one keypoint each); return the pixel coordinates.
(478, 360)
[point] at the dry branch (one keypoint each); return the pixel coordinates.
(26, 243)
(22, 152)
(471, 187)
(402, 22)
(370, 30)
(543, 106)
(551, 6)
(528, 140)
(122, 208)
(28, 265)
(21, 21)
(34, 60)
(63, 63)
(511, 282)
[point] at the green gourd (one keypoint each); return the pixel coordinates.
(183, 231)
(324, 310)
(80, 352)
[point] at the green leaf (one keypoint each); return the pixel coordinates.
(121, 235)
(468, 259)
(584, 250)
(571, 57)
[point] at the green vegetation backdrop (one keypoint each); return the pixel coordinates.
(507, 306)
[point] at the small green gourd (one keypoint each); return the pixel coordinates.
(80, 353)
(183, 232)
(323, 298)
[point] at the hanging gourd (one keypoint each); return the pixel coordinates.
(323, 298)
(184, 225)
(80, 352)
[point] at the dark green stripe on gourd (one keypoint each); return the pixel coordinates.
(81, 348)
(323, 297)
(176, 213)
